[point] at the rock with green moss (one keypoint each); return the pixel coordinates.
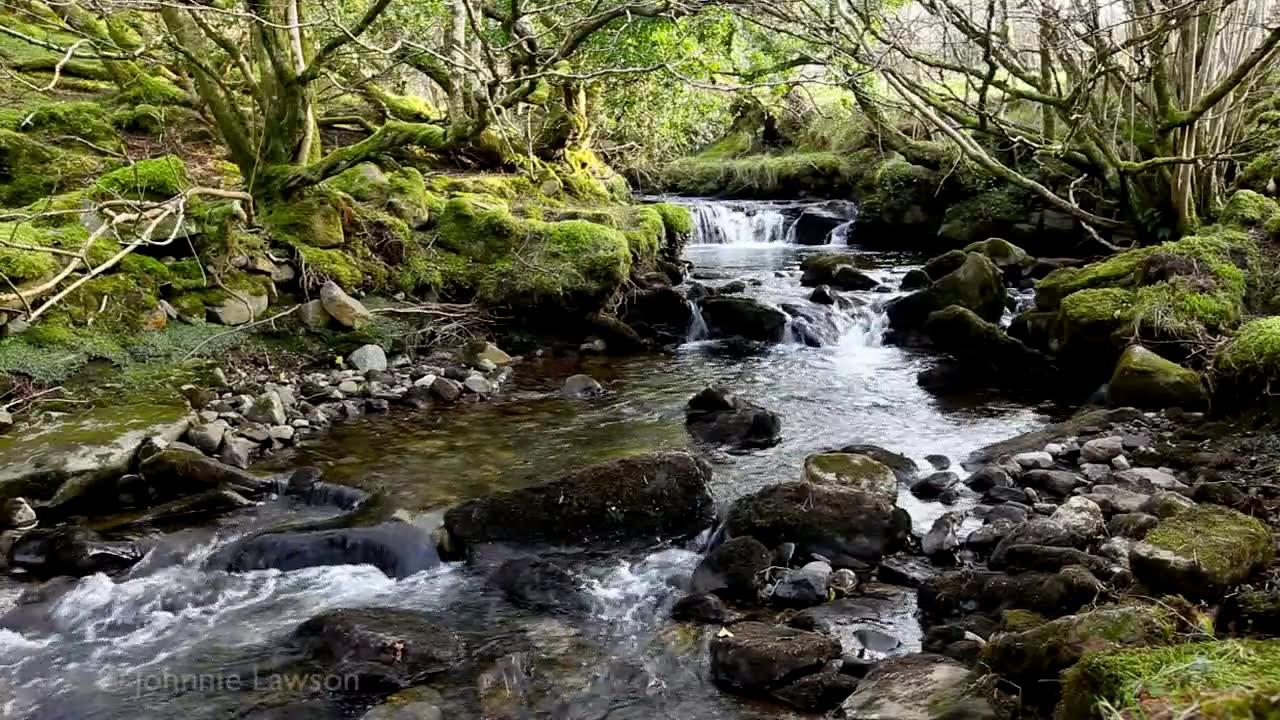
(976, 285)
(315, 221)
(851, 472)
(984, 352)
(1249, 361)
(1222, 680)
(1255, 613)
(365, 182)
(987, 213)
(1202, 552)
(917, 687)
(1017, 621)
(30, 169)
(85, 119)
(154, 179)
(1248, 209)
(1145, 380)
(1040, 653)
(821, 174)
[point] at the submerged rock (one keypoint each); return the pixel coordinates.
(581, 386)
(656, 494)
(717, 416)
(379, 647)
(540, 585)
(752, 658)
(397, 549)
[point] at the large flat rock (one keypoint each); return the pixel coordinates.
(36, 460)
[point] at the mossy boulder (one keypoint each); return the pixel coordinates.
(1202, 551)
(1248, 363)
(1255, 613)
(942, 265)
(976, 285)
(1145, 380)
(1223, 680)
(152, 179)
(819, 174)
(365, 182)
(31, 169)
(314, 221)
(851, 472)
(1040, 653)
(732, 571)
(986, 213)
(1247, 208)
(84, 118)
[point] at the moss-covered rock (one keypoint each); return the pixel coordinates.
(1040, 653)
(1224, 680)
(1248, 209)
(984, 352)
(1145, 380)
(314, 221)
(1202, 552)
(1011, 259)
(31, 169)
(85, 119)
(153, 179)
(851, 472)
(365, 182)
(765, 176)
(987, 213)
(1250, 360)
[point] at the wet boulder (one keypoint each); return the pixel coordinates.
(844, 526)
(822, 269)
(817, 693)
(851, 471)
(940, 266)
(661, 313)
(1145, 380)
(976, 285)
(752, 658)
(382, 648)
(176, 472)
(539, 585)
(718, 416)
(639, 497)
(935, 485)
(915, 279)
(917, 687)
(728, 317)
(802, 587)
(732, 570)
(983, 353)
(1081, 518)
(1042, 652)
(706, 608)
(941, 541)
(903, 467)
(1037, 531)
(1052, 594)
(397, 549)
(1012, 260)
(1202, 552)
(69, 550)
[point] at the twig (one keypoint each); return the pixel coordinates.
(30, 398)
(237, 329)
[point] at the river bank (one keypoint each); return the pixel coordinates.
(585, 628)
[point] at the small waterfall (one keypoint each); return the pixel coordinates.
(840, 233)
(724, 223)
(870, 324)
(697, 326)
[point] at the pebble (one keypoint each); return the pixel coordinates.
(348, 387)
(1034, 460)
(1055, 449)
(1120, 462)
(1101, 450)
(425, 380)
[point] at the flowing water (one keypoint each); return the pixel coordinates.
(130, 647)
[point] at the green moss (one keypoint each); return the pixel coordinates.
(478, 226)
(30, 169)
(365, 182)
(154, 179)
(408, 197)
(1249, 209)
(1227, 544)
(1225, 680)
(1014, 620)
(814, 173)
(314, 220)
(504, 187)
(331, 264)
(85, 119)
(1111, 306)
(25, 265)
(645, 232)
(981, 215)
(1178, 309)
(1119, 270)
(677, 219)
(1254, 351)
(146, 89)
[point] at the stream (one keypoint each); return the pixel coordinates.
(124, 647)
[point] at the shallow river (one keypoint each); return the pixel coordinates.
(129, 648)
